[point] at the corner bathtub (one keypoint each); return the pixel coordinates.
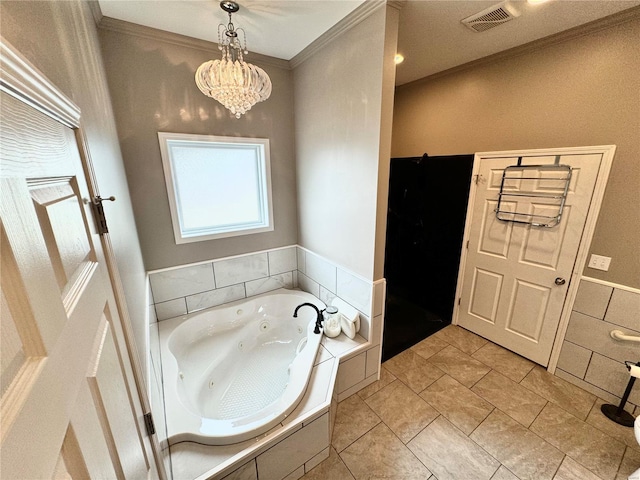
(233, 372)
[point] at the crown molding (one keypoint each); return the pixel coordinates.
(133, 29)
(348, 22)
(557, 38)
(96, 11)
(397, 4)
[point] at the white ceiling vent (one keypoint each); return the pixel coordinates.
(491, 17)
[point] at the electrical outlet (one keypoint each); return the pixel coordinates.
(599, 262)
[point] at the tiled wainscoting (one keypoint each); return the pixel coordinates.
(344, 366)
(590, 358)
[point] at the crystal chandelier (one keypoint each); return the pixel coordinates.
(234, 83)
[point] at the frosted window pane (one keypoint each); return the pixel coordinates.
(218, 186)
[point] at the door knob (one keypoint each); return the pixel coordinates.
(560, 281)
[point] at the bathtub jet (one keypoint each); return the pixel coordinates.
(233, 372)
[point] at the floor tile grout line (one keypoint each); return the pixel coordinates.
(476, 443)
(589, 470)
(406, 445)
(566, 453)
(560, 465)
(622, 460)
(345, 463)
(601, 430)
(547, 402)
(422, 430)
(354, 441)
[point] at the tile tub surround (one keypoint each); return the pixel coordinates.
(590, 358)
(300, 441)
(190, 288)
(459, 432)
(179, 291)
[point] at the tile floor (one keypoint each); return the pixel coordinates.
(457, 407)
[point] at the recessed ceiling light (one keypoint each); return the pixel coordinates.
(536, 2)
(398, 58)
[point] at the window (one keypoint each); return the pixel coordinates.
(218, 186)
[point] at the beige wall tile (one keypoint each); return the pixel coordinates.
(592, 299)
(610, 375)
(624, 309)
(574, 359)
(594, 334)
(598, 392)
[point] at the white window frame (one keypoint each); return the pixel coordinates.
(263, 166)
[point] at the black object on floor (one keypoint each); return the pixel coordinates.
(617, 413)
(411, 324)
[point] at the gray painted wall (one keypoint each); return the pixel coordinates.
(151, 79)
(60, 39)
(338, 100)
(584, 91)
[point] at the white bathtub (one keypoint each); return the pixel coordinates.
(233, 372)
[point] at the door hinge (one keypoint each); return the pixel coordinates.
(148, 423)
(467, 244)
(98, 213)
(459, 300)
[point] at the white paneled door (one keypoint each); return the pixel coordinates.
(69, 407)
(516, 276)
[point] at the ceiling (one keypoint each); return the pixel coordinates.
(431, 37)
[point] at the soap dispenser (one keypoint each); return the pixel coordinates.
(331, 326)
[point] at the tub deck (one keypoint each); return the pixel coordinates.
(196, 461)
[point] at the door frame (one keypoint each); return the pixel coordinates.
(22, 80)
(607, 152)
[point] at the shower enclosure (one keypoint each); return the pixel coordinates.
(425, 225)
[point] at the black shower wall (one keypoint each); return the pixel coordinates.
(427, 208)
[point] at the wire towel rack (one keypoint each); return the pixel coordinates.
(558, 182)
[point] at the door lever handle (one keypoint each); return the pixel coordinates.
(560, 281)
(98, 199)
